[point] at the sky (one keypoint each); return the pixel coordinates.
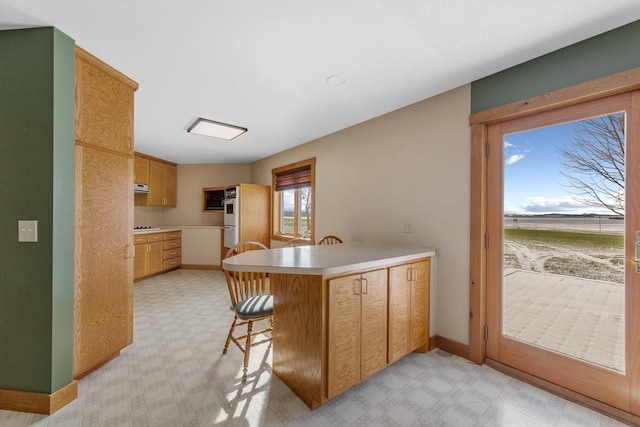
(533, 183)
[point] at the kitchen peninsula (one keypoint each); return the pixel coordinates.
(342, 312)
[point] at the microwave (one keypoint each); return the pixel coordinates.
(215, 201)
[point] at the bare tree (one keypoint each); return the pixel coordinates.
(594, 162)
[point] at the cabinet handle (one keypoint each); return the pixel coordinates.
(355, 288)
(412, 274)
(366, 286)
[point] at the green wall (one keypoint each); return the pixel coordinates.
(37, 183)
(608, 53)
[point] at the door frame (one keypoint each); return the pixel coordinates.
(622, 82)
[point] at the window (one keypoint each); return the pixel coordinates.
(293, 200)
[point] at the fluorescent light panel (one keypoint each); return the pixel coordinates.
(215, 129)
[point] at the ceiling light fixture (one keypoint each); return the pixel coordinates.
(215, 129)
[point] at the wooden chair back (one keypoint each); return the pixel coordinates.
(245, 284)
(330, 240)
(297, 241)
(244, 247)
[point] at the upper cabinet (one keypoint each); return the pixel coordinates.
(161, 177)
(104, 106)
(140, 170)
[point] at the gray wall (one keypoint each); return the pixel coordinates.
(608, 53)
(36, 183)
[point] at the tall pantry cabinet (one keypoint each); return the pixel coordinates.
(103, 303)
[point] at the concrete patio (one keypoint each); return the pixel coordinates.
(578, 317)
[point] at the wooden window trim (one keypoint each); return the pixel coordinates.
(618, 83)
(622, 82)
(308, 163)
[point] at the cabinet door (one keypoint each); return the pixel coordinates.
(154, 257)
(104, 108)
(156, 183)
(344, 334)
(170, 185)
(399, 307)
(140, 170)
(420, 304)
(140, 261)
(374, 323)
(103, 288)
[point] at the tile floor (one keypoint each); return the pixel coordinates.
(175, 375)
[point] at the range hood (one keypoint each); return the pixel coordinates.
(141, 189)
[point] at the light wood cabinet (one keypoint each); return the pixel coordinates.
(171, 250)
(103, 298)
(140, 170)
(408, 309)
(161, 177)
(156, 253)
(255, 213)
(148, 255)
(334, 331)
(357, 344)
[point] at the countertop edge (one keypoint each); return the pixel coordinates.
(331, 270)
(162, 230)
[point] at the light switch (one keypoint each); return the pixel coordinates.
(27, 231)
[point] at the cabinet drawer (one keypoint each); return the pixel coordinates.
(170, 263)
(172, 235)
(155, 237)
(170, 244)
(137, 239)
(171, 253)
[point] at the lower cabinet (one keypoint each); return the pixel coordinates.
(375, 319)
(171, 250)
(357, 315)
(336, 330)
(408, 309)
(155, 253)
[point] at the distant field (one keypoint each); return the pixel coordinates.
(566, 238)
(578, 223)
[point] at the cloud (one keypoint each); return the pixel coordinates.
(507, 144)
(514, 158)
(561, 205)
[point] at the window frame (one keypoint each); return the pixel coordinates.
(276, 231)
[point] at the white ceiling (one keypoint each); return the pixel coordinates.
(264, 65)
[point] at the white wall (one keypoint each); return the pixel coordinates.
(411, 165)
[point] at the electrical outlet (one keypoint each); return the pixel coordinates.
(406, 227)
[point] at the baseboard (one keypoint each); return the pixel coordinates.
(82, 374)
(38, 403)
(432, 342)
(450, 346)
(200, 267)
(571, 395)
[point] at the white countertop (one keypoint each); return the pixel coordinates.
(326, 259)
(161, 230)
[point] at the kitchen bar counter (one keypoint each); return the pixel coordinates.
(342, 312)
(326, 259)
